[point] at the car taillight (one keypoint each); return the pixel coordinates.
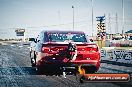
(50, 49)
(46, 49)
(54, 49)
(92, 48)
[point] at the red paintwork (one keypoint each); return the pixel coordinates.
(85, 51)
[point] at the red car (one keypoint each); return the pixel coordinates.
(58, 51)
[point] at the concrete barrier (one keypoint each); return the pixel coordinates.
(118, 43)
(9, 42)
(116, 55)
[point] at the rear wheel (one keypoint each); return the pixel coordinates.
(91, 69)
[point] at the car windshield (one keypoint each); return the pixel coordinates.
(62, 37)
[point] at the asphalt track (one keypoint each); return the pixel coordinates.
(16, 71)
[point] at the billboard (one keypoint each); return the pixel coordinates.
(20, 32)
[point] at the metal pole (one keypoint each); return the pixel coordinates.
(109, 25)
(116, 30)
(92, 18)
(73, 17)
(122, 16)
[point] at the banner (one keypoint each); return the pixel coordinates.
(118, 55)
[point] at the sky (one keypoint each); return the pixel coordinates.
(37, 15)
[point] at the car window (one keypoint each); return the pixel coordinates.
(61, 37)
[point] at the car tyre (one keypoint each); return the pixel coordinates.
(33, 59)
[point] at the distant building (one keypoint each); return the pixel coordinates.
(128, 34)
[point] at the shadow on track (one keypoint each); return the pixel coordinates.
(25, 71)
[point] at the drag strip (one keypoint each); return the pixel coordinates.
(16, 71)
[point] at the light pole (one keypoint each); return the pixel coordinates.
(92, 18)
(73, 16)
(123, 16)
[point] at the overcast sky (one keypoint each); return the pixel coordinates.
(37, 15)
